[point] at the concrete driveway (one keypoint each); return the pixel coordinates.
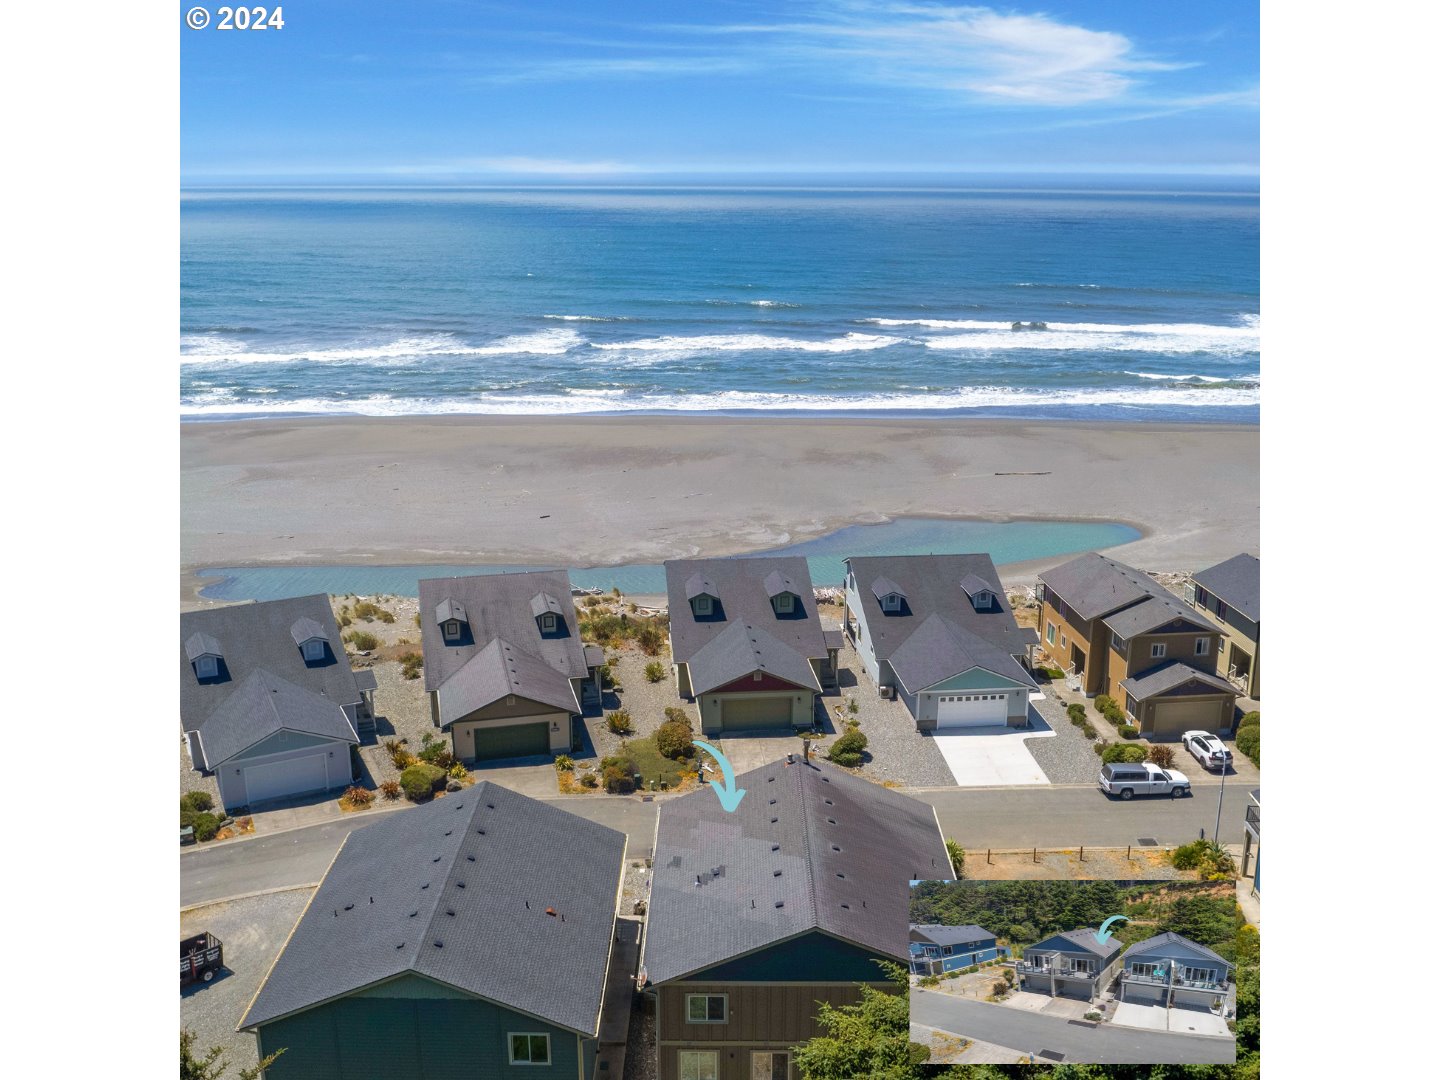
(1158, 1018)
(991, 757)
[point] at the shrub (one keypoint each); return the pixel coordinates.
(418, 625)
(391, 789)
(1247, 736)
(999, 987)
(1101, 745)
(438, 753)
(1088, 730)
(1125, 752)
(853, 706)
(205, 824)
(457, 771)
(363, 640)
(1094, 1014)
(677, 716)
(359, 796)
(675, 740)
(849, 749)
(654, 671)
(618, 781)
(411, 665)
(1128, 731)
(345, 620)
(589, 781)
(364, 609)
(650, 639)
(619, 722)
(1250, 718)
(1163, 756)
(957, 858)
(592, 601)
(196, 800)
(972, 969)
(1054, 673)
(607, 676)
(1209, 858)
(1076, 712)
(1113, 713)
(420, 781)
(564, 763)
(1009, 975)
(929, 980)
(1104, 702)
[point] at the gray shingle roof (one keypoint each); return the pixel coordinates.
(387, 900)
(884, 840)
(777, 582)
(305, 628)
(1094, 586)
(499, 606)
(199, 644)
(1169, 937)
(740, 585)
(933, 585)
(742, 648)
(974, 583)
(252, 637)
(1085, 938)
(497, 671)
(1169, 676)
(543, 602)
(950, 935)
(260, 706)
(1237, 582)
(449, 610)
(1155, 612)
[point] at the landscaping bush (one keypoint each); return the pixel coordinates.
(677, 716)
(1094, 1014)
(929, 980)
(1100, 746)
(618, 780)
(411, 664)
(957, 858)
(1009, 975)
(205, 824)
(564, 763)
(1054, 673)
(1125, 752)
(359, 796)
(1128, 731)
(391, 789)
(1115, 715)
(1088, 730)
(675, 740)
(1211, 860)
(420, 781)
(619, 722)
(436, 752)
(457, 771)
(849, 749)
(196, 800)
(1247, 736)
(364, 609)
(1164, 756)
(654, 671)
(589, 781)
(999, 988)
(972, 969)
(651, 640)
(363, 640)
(1104, 702)
(1076, 712)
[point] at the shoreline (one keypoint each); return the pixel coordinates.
(973, 413)
(611, 490)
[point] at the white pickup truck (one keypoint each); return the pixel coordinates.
(1145, 778)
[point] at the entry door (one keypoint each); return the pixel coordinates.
(769, 1066)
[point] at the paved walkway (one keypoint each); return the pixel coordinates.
(619, 997)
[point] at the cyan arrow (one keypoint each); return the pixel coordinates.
(1103, 935)
(727, 793)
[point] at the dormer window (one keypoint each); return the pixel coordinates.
(207, 667)
(983, 600)
(547, 623)
(314, 649)
(452, 629)
(784, 603)
(703, 605)
(890, 602)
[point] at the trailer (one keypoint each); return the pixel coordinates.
(201, 957)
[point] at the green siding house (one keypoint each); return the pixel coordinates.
(468, 938)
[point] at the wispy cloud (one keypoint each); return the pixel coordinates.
(517, 165)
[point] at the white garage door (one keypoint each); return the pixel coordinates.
(971, 710)
(281, 779)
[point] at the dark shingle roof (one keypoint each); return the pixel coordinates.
(825, 823)
(740, 649)
(974, 583)
(252, 637)
(449, 610)
(1093, 585)
(387, 900)
(934, 585)
(777, 582)
(499, 670)
(542, 603)
(1155, 612)
(305, 628)
(499, 606)
(199, 644)
(262, 705)
(741, 587)
(1167, 677)
(1085, 938)
(1237, 582)
(950, 935)
(1169, 937)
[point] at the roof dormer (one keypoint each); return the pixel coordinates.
(784, 594)
(703, 596)
(890, 596)
(980, 592)
(310, 636)
(549, 613)
(204, 654)
(450, 617)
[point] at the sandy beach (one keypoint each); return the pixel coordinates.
(605, 490)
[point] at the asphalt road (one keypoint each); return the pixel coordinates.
(1027, 1032)
(1047, 817)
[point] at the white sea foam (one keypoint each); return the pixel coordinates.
(1195, 378)
(851, 342)
(410, 349)
(589, 318)
(988, 336)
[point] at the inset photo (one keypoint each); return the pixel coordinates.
(1095, 972)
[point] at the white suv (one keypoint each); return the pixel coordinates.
(1144, 778)
(1207, 749)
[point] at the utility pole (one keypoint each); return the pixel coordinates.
(1224, 768)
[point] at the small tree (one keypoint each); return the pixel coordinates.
(870, 1038)
(213, 1065)
(957, 858)
(675, 740)
(849, 749)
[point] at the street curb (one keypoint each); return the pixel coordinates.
(248, 896)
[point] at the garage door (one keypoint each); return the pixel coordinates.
(971, 710)
(744, 713)
(1174, 718)
(517, 740)
(1143, 994)
(281, 779)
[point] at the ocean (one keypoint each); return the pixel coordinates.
(1134, 304)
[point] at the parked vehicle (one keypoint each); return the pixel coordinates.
(201, 958)
(1207, 749)
(1145, 778)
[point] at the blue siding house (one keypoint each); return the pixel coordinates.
(1172, 970)
(938, 949)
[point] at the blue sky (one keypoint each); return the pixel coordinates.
(444, 91)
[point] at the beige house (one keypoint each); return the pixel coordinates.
(1228, 593)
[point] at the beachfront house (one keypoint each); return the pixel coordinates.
(758, 915)
(1229, 595)
(505, 670)
(746, 642)
(1171, 970)
(1115, 630)
(937, 632)
(471, 936)
(268, 701)
(1074, 963)
(935, 950)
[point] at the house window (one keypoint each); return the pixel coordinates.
(1063, 642)
(1050, 633)
(699, 1065)
(982, 601)
(529, 1049)
(1083, 967)
(1222, 609)
(1202, 597)
(707, 1008)
(1202, 646)
(890, 602)
(207, 667)
(784, 603)
(1117, 642)
(1142, 967)
(547, 623)
(946, 950)
(314, 649)
(1157, 650)
(1199, 974)
(765, 1065)
(452, 629)
(703, 605)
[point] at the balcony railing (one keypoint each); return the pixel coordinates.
(1178, 981)
(1054, 969)
(1252, 819)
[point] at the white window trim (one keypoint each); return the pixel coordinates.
(1202, 646)
(712, 1055)
(452, 629)
(1157, 650)
(207, 667)
(785, 603)
(724, 998)
(890, 602)
(510, 1038)
(703, 605)
(1049, 633)
(547, 622)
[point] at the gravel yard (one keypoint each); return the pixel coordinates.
(646, 702)
(253, 932)
(1068, 758)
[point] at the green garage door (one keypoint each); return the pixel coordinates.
(517, 740)
(767, 712)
